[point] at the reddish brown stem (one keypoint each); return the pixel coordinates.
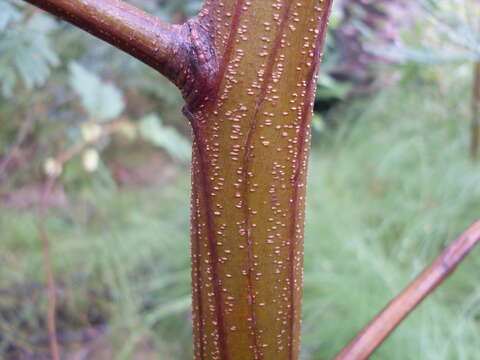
(52, 300)
(398, 309)
(159, 45)
(16, 146)
(249, 171)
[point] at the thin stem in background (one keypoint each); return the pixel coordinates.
(60, 160)
(475, 126)
(399, 308)
(52, 300)
(15, 147)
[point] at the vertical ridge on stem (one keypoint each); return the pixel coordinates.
(267, 79)
(219, 325)
(301, 166)
(197, 284)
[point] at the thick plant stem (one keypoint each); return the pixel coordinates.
(247, 70)
(249, 172)
(384, 324)
(475, 125)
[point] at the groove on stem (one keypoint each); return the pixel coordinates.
(197, 284)
(267, 79)
(204, 184)
(227, 54)
(203, 180)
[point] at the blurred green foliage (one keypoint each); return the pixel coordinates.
(444, 31)
(73, 103)
(166, 137)
(103, 102)
(25, 48)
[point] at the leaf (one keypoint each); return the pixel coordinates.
(166, 137)
(168, 309)
(8, 83)
(103, 101)
(42, 23)
(25, 50)
(329, 88)
(8, 13)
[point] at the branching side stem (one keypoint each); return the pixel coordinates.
(167, 48)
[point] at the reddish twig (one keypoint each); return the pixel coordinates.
(15, 147)
(60, 160)
(398, 309)
(52, 300)
(128, 28)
